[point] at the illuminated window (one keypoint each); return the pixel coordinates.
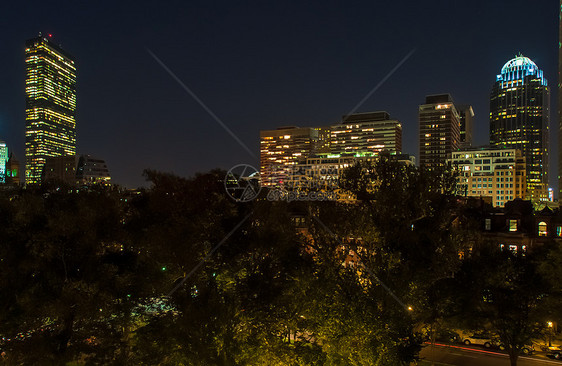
(512, 225)
(542, 228)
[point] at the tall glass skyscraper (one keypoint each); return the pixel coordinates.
(560, 101)
(50, 105)
(519, 118)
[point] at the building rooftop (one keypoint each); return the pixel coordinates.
(518, 62)
(366, 117)
(438, 98)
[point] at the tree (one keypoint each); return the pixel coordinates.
(405, 234)
(509, 294)
(66, 270)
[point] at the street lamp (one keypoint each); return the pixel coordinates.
(550, 330)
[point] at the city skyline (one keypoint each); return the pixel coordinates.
(288, 84)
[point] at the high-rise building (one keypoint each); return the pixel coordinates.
(439, 134)
(3, 161)
(50, 105)
(370, 132)
(466, 114)
(282, 148)
(489, 172)
(519, 113)
(560, 101)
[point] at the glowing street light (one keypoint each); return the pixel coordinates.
(551, 328)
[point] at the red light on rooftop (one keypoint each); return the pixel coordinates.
(50, 35)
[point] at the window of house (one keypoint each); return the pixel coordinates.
(542, 228)
(488, 224)
(512, 225)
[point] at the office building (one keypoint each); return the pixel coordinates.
(50, 105)
(76, 170)
(323, 171)
(439, 130)
(490, 172)
(466, 114)
(61, 169)
(3, 161)
(91, 170)
(560, 101)
(519, 117)
(282, 148)
(370, 132)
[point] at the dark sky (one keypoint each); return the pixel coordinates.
(261, 65)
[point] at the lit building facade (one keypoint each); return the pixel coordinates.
(3, 161)
(281, 149)
(494, 173)
(519, 117)
(560, 101)
(50, 105)
(370, 132)
(323, 171)
(439, 130)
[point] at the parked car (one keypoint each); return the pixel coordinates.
(446, 335)
(526, 350)
(485, 340)
(555, 351)
(441, 335)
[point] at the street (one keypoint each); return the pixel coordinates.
(459, 355)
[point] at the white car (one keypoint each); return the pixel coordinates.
(480, 339)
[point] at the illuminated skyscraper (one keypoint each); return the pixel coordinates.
(519, 111)
(50, 105)
(439, 130)
(281, 149)
(370, 132)
(3, 161)
(560, 101)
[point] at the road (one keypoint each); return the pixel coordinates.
(459, 355)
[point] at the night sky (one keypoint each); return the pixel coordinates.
(261, 65)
